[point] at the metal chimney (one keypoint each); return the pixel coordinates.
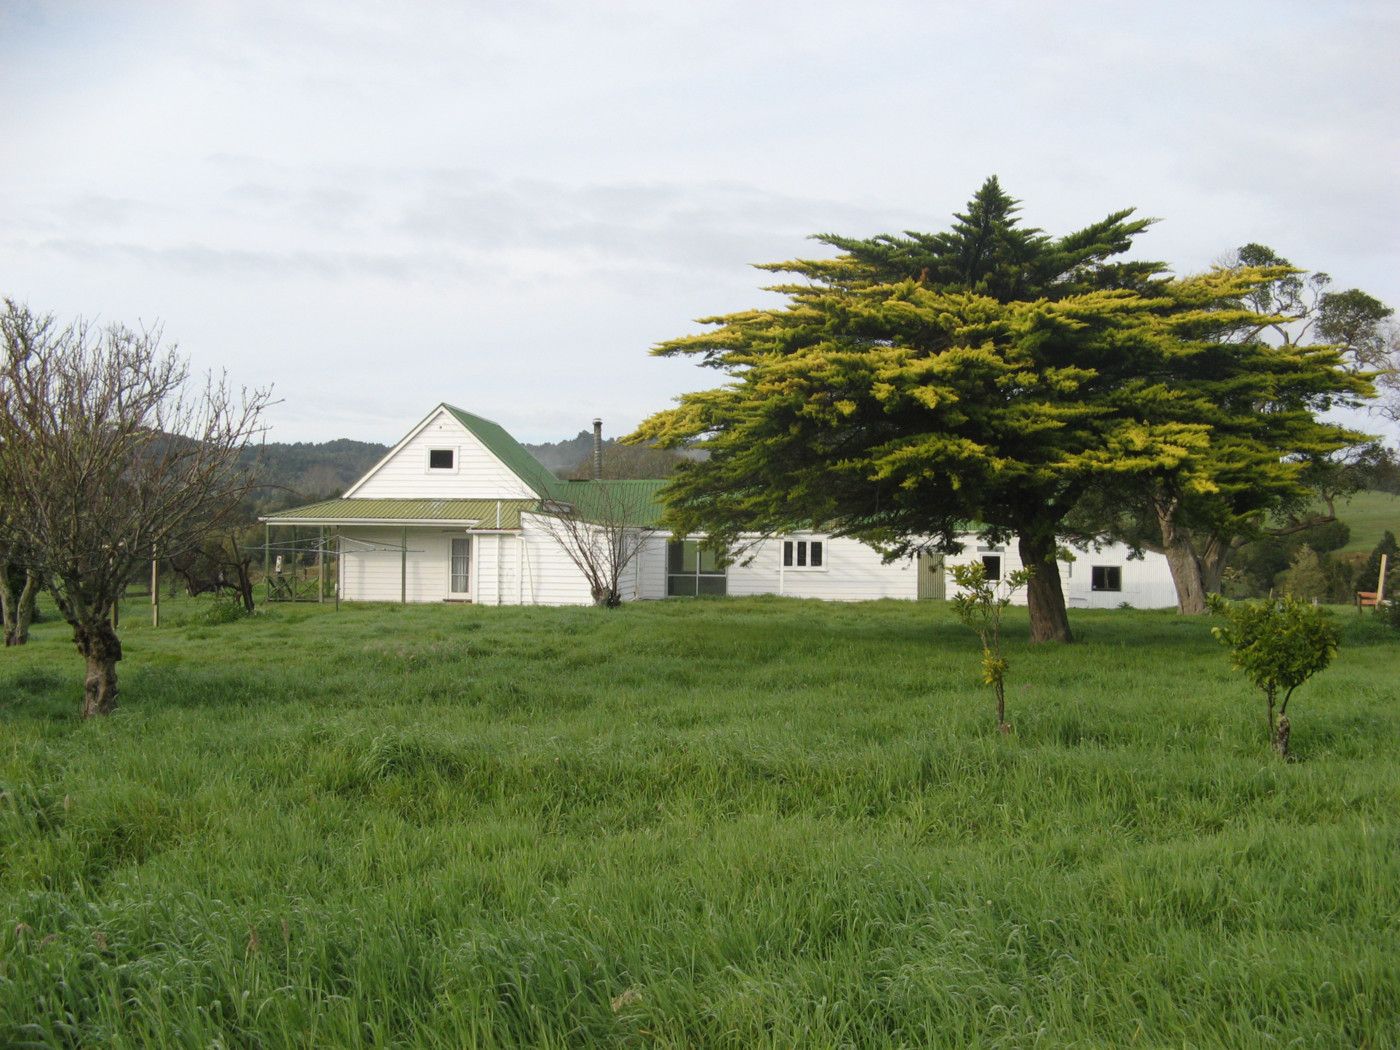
(597, 450)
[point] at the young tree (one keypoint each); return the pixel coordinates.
(989, 373)
(1279, 643)
(113, 456)
(1306, 578)
(601, 526)
(979, 605)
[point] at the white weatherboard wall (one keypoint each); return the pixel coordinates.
(551, 577)
(1147, 581)
(496, 561)
(477, 474)
(650, 567)
(852, 572)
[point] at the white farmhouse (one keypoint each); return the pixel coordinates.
(457, 511)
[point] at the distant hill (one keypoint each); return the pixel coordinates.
(1369, 515)
(561, 457)
(305, 471)
(573, 458)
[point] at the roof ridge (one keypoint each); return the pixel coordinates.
(503, 445)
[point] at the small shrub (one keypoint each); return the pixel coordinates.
(980, 606)
(225, 608)
(1279, 643)
(1390, 613)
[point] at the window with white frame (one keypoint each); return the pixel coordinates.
(804, 554)
(444, 459)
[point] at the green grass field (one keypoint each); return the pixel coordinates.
(1369, 515)
(742, 823)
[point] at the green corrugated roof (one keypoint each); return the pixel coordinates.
(481, 511)
(591, 498)
(610, 497)
(510, 452)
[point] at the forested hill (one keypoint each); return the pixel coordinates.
(563, 456)
(304, 471)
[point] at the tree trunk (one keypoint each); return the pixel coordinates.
(1002, 727)
(1045, 598)
(1186, 573)
(101, 649)
(17, 611)
(1282, 731)
(1183, 562)
(1214, 559)
(245, 586)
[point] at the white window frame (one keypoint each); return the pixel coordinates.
(470, 593)
(806, 542)
(428, 459)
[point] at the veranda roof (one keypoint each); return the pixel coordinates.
(477, 513)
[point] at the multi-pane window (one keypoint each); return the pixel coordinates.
(1106, 578)
(804, 554)
(692, 570)
(441, 459)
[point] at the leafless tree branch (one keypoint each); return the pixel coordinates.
(602, 534)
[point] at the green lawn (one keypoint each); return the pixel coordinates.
(1369, 515)
(741, 823)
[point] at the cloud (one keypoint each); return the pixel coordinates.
(515, 198)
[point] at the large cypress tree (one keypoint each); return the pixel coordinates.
(918, 383)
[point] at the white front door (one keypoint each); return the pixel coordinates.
(460, 584)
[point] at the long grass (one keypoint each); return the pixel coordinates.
(745, 823)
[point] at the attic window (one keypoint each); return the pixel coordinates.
(442, 459)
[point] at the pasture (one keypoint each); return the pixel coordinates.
(743, 823)
(1370, 515)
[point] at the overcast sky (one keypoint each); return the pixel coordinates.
(504, 205)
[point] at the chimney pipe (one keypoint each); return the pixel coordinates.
(597, 449)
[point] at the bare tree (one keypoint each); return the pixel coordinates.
(108, 456)
(222, 563)
(602, 528)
